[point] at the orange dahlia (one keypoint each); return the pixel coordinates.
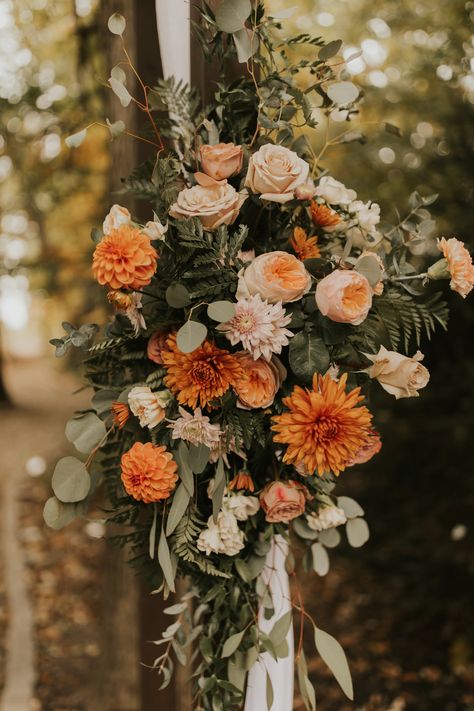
(323, 216)
(305, 247)
(124, 258)
(324, 428)
(200, 376)
(148, 472)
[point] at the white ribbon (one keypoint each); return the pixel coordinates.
(281, 672)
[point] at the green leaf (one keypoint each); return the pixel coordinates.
(394, 130)
(342, 92)
(302, 529)
(269, 691)
(103, 399)
(320, 559)
(350, 507)
(57, 514)
(357, 532)
(221, 311)
(280, 628)
(152, 536)
(243, 570)
(184, 469)
(232, 14)
(370, 268)
(118, 73)
(198, 457)
(176, 609)
(75, 140)
(190, 336)
(85, 432)
(164, 560)
(330, 538)
(232, 644)
(116, 24)
(308, 355)
(178, 508)
(177, 296)
(71, 481)
(306, 688)
(121, 91)
(219, 488)
(116, 128)
(334, 657)
(330, 50)
(96, 235)
(246, 44)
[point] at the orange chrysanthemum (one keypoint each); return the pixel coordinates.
(305, 247)
(324, 428)
(124, 258)
(148, 472)
(323, 216)
(242, 480)
(121, 413)
(200, 376)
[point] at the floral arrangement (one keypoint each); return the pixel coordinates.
(255, 311)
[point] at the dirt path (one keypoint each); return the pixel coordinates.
(50, 580)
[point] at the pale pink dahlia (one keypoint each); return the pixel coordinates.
(258, 326)
(196, 428)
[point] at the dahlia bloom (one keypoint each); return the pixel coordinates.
(201, 376)
(460, 265)
(148, 472)
(324, 427)
(195, 428)
(124, 259)
(258, 326)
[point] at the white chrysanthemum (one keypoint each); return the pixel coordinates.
(258, 326)
(240, 505)
(146, 405)
(223, 537)
(196, 428)
(327, 517)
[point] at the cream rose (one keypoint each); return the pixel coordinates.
(214, 204)
(283, 501)
(276, 276)
(241, 506)
(223, 537)
(222, 160)
(344, 296)
(327, 517)
(259, 382)
(148, 406)
(117, 216)
(334, 192)
(154, 229)
(275, 172)
(397, 374)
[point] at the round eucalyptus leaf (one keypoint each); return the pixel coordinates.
(221, 311)
(116, 24)
(177, 296)
(76, 139)
(71, 481)
(232, 14)
(118, 73)
(121, 91)
(330, 50)
(308, 355)
(320, 559)
(57, 514)
(350, 507)
(190, 336)
(342, 92)
(330, 538)
(85, 432)
(370, 268)
(357, 532)
(102, 401)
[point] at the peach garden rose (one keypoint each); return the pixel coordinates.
(259, 382)
(222, 160)
(282, 501)
(275, 173)
(344, 296)
(213, 203)
(397, 374)
(276, 276)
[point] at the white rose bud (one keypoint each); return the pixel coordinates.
(116, 217)
(334, 192)
(397, 374)
(327, 517)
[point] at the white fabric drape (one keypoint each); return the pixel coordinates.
(174, 32)
(274, 575)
